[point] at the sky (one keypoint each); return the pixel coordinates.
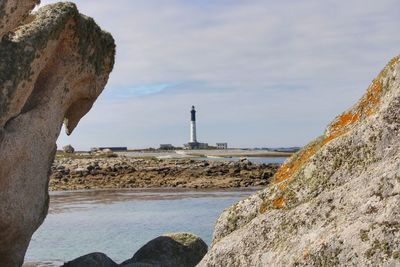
(261, 73)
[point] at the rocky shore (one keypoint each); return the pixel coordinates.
(72, 173)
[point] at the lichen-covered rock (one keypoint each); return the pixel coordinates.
(53, 66)
(335, 202)
(170, 250)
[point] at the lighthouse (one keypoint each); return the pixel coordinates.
(193, 138)
(193, 143)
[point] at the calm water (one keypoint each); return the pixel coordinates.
(119, 222)
(265, 160)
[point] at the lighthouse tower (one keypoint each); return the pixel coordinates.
(193, 143)
(193, 138)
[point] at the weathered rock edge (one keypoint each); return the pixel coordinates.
(335, 202)
(52, 69)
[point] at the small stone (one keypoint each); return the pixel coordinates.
(68, 149)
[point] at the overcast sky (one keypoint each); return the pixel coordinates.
(260, 73)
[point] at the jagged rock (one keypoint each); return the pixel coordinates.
(92, 260)
(52, 68)
(170, 250)
(334, 203)
(68, 149)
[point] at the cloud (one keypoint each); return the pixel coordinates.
(142, 90)
(280, 69)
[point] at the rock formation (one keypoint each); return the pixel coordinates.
(53, 65)
(169, 250)
(335, 202)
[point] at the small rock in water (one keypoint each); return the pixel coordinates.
(170, 250)
(68, 149)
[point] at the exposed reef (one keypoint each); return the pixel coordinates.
(69, 173)
(53, 65)
(334, 203)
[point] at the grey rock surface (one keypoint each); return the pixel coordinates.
(170, 250)
(334, 203)
(52, 68)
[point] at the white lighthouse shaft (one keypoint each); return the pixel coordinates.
(193, 138)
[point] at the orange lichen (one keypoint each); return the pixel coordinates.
(393, 62)
(340, 126)
(282, 186)
(290, 167)
(366, 107)
(263, 207)
(306, 253)
(278, 203)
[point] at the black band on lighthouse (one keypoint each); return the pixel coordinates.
(193, 112)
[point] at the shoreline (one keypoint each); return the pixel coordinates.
(162, 190)
(228, 153)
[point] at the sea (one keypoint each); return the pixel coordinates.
(119, 222)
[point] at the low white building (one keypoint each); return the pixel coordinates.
(222, 145)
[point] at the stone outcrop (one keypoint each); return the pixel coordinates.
(334, 203)
(53, 65)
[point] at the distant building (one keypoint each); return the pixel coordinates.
(193, 144)
(166, 147)
(222, 145)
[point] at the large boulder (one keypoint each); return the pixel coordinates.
(170, 250)
(53, 66)
(95, 259)
(334, 203)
